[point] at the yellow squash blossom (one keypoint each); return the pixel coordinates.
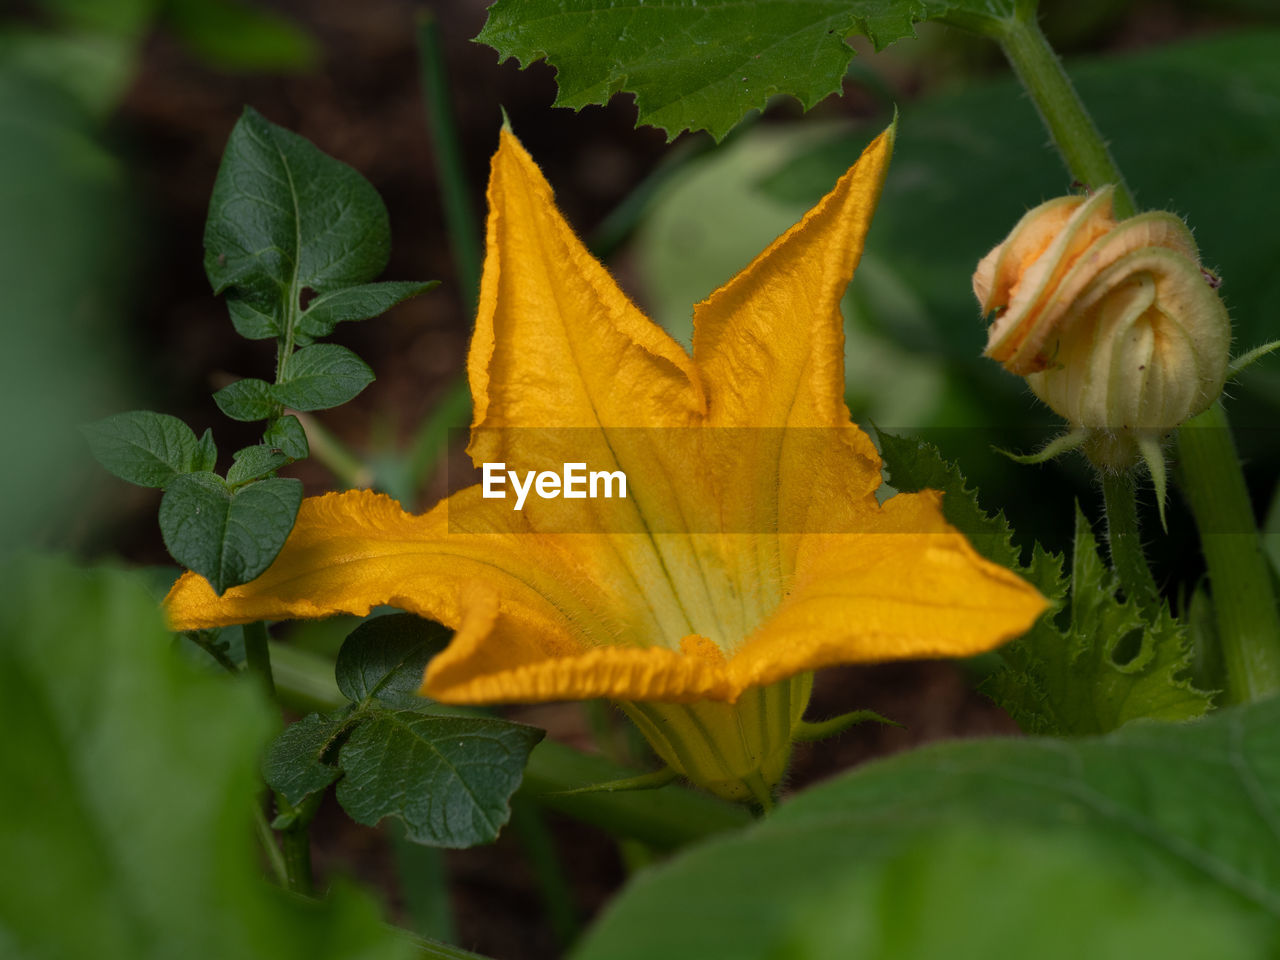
(749, 550)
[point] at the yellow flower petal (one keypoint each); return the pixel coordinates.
(909, 587)
(750, 547)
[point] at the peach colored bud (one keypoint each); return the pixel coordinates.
(1113, 324)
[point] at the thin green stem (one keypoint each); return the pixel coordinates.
(1244, 601)
(1072, 129)
(267, 837)
(454, 408)
(451, 412)
(257, 654)
(296, 842)
(424, 885)
(531, 830)
(1127, 557)
(665, 819)
(348, 468)
(455, 191)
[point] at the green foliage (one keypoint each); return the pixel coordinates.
(449, 779)
(227, 535)
(383, 660)
(700, 65)
(356, 303)
(248, 399)
(1156, 841)
(254, 463)
(286, 435)
(1112, 661)
(321, 376)
(132, 780)
(149, 449)
(284, 218)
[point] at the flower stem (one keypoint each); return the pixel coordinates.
(1072, 129)
(1127, 558)
(257, 654)
(1244, 602)
(296, 843)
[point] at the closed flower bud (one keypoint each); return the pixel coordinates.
(1115, 325)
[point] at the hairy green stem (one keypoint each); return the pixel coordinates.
(267, 837)
(1074, 133)
(296, 843)
(1244, 602)
(1127, 557)
(257, 654)
(665, 819)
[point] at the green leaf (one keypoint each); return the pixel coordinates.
(253, 463)
(149, 449)
(285, 217)
(356, 303)
(1114, 662)
(287, 435)
(384, 659)
(248, 400)
(254, 321)
(448, 779)
(913, 465)
(137, 778)
(228, 537)
(325, 375)
(206, 454)
(699, 65)
(302, 761)
(1159, 840)
(240, 36)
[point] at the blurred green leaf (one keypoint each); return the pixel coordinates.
(1159, 840)
(68, 249)
(321, 376)
(356, 303)
(1195, 127)
(248, 399)
(93, 68)
(703, 65)
(253, 463)
(1114, 662)
(147, 448)
(241, 36)
(448, 779)
(287, 435)
(285, 217)
(132, 784)
(226, 536)
(383, 659)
